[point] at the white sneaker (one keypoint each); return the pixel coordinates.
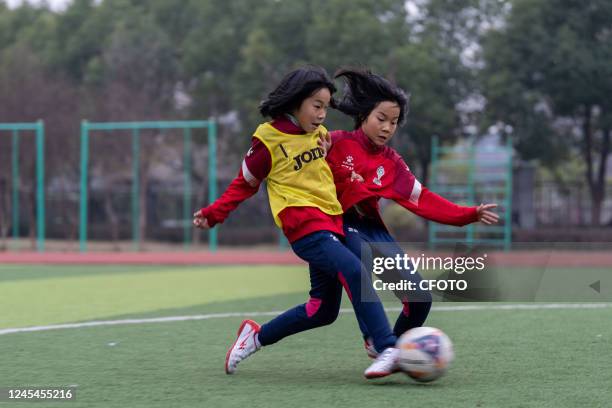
(368, 344)
(384, 365)
(245, 345)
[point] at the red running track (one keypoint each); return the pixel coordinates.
(222, 257)
(569, 259)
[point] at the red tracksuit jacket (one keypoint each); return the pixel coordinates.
(385, 175)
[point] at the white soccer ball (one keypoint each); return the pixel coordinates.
(425, 353)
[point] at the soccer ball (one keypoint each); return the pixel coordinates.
(425, 353)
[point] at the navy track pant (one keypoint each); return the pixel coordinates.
(363, 235)
(332, 267)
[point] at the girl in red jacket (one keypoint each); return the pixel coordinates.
(365, 169)
(286, 153)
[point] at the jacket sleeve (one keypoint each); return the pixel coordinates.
(410, 194)
(255, 167)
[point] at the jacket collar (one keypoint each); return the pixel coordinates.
(286, 125)
(366, 143)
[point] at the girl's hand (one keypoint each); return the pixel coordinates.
(200, 221)
(485, 216)
(356, 176)
(325, 142)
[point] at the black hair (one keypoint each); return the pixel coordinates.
(364, 91)
(294, 88)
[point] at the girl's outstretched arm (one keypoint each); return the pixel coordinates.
(433, 207)
(409, 193)
(255, 167)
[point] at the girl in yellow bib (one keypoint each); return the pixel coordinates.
(289, 153)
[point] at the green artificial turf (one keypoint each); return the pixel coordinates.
(504, 358)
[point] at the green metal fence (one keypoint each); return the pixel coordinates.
(39, 130)
(135, 128)
(472, 175)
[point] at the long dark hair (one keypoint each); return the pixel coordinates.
(364, 91)
(294, 88)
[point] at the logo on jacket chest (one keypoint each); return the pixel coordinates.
(380, 171)
(306, 157)
(348, 163)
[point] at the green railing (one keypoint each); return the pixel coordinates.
(467, 174)
(39, 130)
(135, 128)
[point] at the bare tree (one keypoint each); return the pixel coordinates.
(30, 91)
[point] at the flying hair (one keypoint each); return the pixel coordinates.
(364, 90)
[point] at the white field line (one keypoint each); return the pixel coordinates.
(96, 323)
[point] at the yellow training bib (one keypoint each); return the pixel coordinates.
(300, 176)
